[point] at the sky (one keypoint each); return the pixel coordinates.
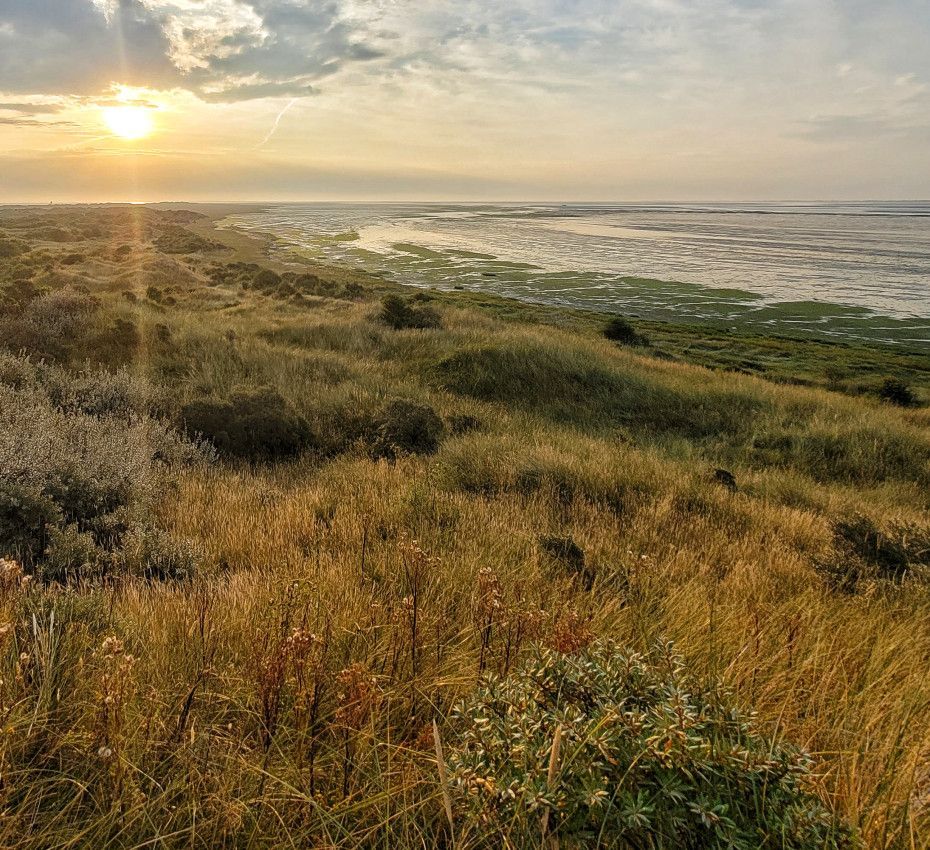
(550, 100)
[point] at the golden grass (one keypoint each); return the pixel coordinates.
(286, 696)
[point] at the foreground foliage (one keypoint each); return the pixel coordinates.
(609, 748)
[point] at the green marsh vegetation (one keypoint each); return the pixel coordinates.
(263, 530)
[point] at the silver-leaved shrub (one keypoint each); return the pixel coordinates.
(645, 757)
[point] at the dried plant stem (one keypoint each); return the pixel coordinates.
(444, 781)
(550, 782)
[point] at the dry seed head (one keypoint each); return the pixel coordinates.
(570, 634)
(111, 646)
(359, 694)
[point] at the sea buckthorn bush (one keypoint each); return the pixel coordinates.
(80, 467)
(611, 748)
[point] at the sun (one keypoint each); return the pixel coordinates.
(128, 122)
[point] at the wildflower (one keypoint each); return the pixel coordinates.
(358, 695)
(112, 646)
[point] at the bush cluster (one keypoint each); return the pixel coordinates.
(864, 551)
(255, 424)
(399, 314)
(81, 465)
(405, 427)
(621, 331)
(896, 391)
(609, 748)
(66, 325)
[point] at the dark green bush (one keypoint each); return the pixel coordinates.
(404, 427)
(896, 391)
(254, 424)
(464, 423)
(178, 240)
(621, 331)
(11, 247)
(864, 551)
(266, 280)
(570, 556)
(648, 757)
(399, 315)
(51, 326)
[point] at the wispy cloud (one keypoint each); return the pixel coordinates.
(611, 94)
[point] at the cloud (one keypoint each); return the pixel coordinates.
(74, 47)
(222, 50)
(16, 121)
(32, 108)
(862, 128)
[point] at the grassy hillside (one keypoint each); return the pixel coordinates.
(276, 527)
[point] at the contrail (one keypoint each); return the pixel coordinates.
(274, 127)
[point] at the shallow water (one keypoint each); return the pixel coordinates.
(841, 270)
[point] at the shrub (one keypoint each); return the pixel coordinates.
(865, 551)
(79, 466)
(254, 424)
(620, 330)
(404, 427)
(51, 325)
(464, 423)
(398, 314)
(266, 280)
(178, 240)
(646, 757)
(10, 248)
(566, 552)
(896, 391)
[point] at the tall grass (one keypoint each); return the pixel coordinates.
(285, 694)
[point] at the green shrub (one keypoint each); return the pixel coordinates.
(254, 424)
(51, 326)
(865, 551)
(399, 315)
(621, 331)
(570, 556)
(178, 240)
(896, 391)
(266, 280)
(464, 423)
(648, 757)
(404, 427)
(79, 467)
(10, 248)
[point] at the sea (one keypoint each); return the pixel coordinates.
(834, 270)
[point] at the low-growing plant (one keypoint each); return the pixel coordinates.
(256, 424)
(621, 331)
(865, 551)
(405, 427)
(610, 748)
(399, 314)
(896, 391)
(78, 468)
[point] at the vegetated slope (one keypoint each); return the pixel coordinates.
(312, 530)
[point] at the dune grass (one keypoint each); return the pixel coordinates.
(346, 598)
